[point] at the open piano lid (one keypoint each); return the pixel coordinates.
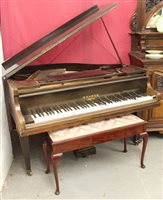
(51, 40)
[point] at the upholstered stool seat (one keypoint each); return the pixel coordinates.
(82, 136)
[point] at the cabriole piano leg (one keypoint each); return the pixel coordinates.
(24, 141)
(55, 158)
(144, 137)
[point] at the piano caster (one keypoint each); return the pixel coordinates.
(47, 171)
(142, 166)
(29, 172)
(124, 151)
(57, 192)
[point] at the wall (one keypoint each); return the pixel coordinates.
(24, 22)
(6, 155)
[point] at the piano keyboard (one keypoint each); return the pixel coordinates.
(79, 107)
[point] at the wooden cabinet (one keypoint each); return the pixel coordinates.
(147, 52)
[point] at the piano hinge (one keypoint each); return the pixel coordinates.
(124, 65)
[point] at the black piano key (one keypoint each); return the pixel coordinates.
(38, 112)
(130, 95)
(92, 103)
(86, 104)
(81, 104)
(120, 97)
(69, 107)
(116, 98)
(46, 110)
(110, 97)
(60, 109)
(51, 110)
(76, 105)
(64, 108)
(73, 105)
(103, 101)
(98, 101)
(107, 100)
(32, 113)
(41, 111)
(127, 95)
(56, 109)
(123, 97)
(135, 96)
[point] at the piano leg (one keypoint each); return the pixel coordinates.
(125, 145)
(55, 158)
(144, 137)
(24, 142)
(44, 148)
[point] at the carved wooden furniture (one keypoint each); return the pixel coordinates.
(147, 52)
(55, 96)
(91, 134)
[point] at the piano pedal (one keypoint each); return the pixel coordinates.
(138, 141)
(82, 153)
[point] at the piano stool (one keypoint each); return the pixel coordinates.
(82, 136)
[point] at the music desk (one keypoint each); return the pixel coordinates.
(78, 137)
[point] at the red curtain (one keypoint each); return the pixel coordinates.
(25, 21)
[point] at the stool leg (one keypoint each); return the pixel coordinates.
(125, 145)
(44, 147)
(144, 136)
(55, 158)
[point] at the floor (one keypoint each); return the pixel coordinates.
(110, 174)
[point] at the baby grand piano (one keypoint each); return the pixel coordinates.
(50, 97)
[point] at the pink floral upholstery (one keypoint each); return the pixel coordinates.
(91, 128)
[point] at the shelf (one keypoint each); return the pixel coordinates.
(147, 33)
